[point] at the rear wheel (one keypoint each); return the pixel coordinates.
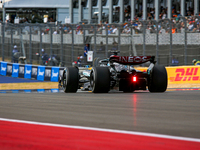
(158, 79)
(71, 79)
(60, 83)
(96, 62)
(100, 79)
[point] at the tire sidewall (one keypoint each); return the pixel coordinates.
(158, 79)
(100, 79)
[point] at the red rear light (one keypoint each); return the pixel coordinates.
(134, 79)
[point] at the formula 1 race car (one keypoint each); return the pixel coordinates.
(73, 79)
(118, 71)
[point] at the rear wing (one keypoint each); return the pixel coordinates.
(132, 60)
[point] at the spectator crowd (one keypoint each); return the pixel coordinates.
(190, 23)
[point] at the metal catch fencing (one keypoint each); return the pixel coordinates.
(173, 41)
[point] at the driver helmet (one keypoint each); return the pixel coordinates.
(194, 61)
(15, 46)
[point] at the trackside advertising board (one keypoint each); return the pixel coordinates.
(27, 71)
(15, 70)
(3, 68)
(40, 73)
(180, 74)
(183, 74)
(54, 74)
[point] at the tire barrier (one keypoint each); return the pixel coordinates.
(41, 73)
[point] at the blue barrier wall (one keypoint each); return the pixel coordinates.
(54, 74)
(27, 71)
(3, 68)
(41, 73)
(9, 69)
(15, 70)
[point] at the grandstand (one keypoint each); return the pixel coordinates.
(152, 28)
(95, 11)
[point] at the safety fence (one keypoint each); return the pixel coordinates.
(173, 41)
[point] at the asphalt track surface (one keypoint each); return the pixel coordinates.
(174, 113)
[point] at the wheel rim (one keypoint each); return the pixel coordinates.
(92, 80)
(64, 79)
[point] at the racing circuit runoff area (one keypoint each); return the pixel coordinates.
(115, 120)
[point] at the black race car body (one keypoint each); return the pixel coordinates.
(117, 71)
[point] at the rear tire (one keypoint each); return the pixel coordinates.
(158, 79)
(100, 80)
(60, 83)
(71, 77)
(96, 62)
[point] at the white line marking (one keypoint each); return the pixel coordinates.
(105, 130)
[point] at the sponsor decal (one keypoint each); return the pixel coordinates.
(15, 72)
(90, 56)
(40, 74)
(130, 59)
(28, 69)
(186, 74)
(180, 75)
(55, 74)
(4, 68)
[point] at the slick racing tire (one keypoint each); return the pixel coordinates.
(96, 62)
(158, 79)
(71, 80)
(100, 80)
